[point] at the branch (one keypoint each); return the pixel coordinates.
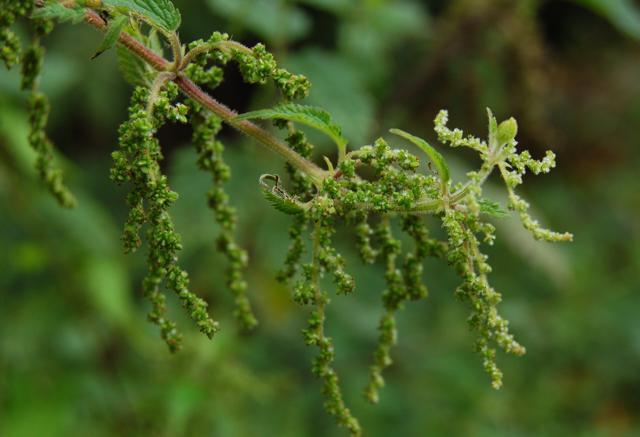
(192, 90)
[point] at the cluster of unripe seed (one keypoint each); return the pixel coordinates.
(137, 162)
(38, 108)
(397, 187)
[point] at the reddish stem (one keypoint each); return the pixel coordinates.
(226, 114)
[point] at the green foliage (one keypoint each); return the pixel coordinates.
(133, 69)
(375, 183)
(279, 198)
(258, 66)
(433, 154)
(55, 11)
(111, 36)
(38, 107)
(302, 188)
(492, 208)
(160, 13)
(316, 118)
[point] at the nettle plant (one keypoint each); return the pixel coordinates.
(365, 189)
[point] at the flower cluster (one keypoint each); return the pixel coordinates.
(31, 60)
(137, 162)
(395, 187)
(464, 223)
(204, 65)
(256, 65)
(376, 191)
(10, 11)
(501, 152)
(307, 291)
(210, 159)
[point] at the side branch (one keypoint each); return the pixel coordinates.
(229, 116)
(226, 114)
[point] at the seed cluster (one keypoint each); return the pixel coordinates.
(256, 65)
(464, 223)
(376, 192)
(10, 11)
(38, 108)
(307, 292)
(210, 159)
(137, 162)
(397, 188)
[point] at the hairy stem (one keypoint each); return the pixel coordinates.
(226, 114)
(271, 142)
(176, 48)
(156, 87)
(229, 116)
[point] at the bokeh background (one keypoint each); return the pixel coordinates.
(77, 356)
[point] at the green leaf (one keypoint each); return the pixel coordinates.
(279, 198)
(311, 116)
(433, 154)
(502, 134)
(160, 13)
(507, 131)
(55, 11)
(492, 208)
(623, 14)
(132, 68)
(282, 204)
(113, 33)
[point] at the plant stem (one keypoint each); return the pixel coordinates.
(156, 87)
(272, 143)
(229, 116)
(187, 86)
(176, 47)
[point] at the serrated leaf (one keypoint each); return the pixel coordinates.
(438, 160)
(492, 208)
(282, 204)
(161, 13)
(111, 36)
(55, 11)
(311, 116)
(132, 68)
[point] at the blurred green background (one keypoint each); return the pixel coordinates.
(77, 356)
